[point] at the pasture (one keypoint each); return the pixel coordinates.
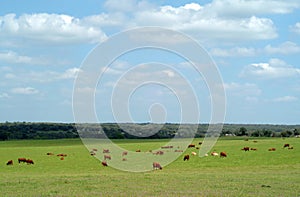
(241, 173)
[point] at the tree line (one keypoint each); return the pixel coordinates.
(33, 130)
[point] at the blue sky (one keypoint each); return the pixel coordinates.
(254, 43)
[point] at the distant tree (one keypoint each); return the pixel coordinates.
(296, 132)
(242, 132)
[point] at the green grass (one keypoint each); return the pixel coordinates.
(254, 173)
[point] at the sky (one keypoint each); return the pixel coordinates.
(255, 45)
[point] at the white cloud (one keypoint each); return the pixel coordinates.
(234, 52)
(296, 28)
(284, 48)
(246, 8)
(248, 90)
(4, 95)
(70, 73)
(49, 28)
(275, 68)
(9, 76)
(26, 90)
(12, 57)
(203, 26)
(285, 99)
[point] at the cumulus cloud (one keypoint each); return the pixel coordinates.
(4, 95)
(26, 90)
(244, 8)
(248, 90)
(234, 52)
(49, 28)
(12, 57)
(286, 48)
(205, 27)
(275, 68)
(296, 28)
(285, 99)
(70, 73)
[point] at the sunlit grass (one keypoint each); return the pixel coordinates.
(253, 173)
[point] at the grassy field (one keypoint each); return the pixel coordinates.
(253, 173)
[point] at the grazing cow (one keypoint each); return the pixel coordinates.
(186, 157)
(246, 148)
(50, 154)
(107, 157)
(92, 153)
(138, 151)
(104, 163)
(10, 162)
(165, 147)
(159, 152)
(200, 143)
(24, 160)
(156, 165)
(272, 149)
(124, 159)
(62, 158)
(286, 145)
(29, 161)
(179, 151)
(95, 149)
(197, 147)
(255, 149)
(61, 155)
(106, 151)
(194, 153)
(223, 154)
(191, 146)
(290, 147)
(214, 154)
(124, 153)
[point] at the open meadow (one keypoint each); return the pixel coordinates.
(241, 173)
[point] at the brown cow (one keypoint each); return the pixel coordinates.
(29, 161)
(186, 157)
(165, 147)
(50, 154)
(61, 155)
(255, 149)
(272, 149)
(24, 160)
(246, 148)
(10, 162)
(124, 153)
(286, 145)
(223, 154)
(104, 163)
(107, 157)
(191, 146)
(138, 151)
(159, 152)
(95, 149)
(106, 151)
(179, 151)
(156, 165)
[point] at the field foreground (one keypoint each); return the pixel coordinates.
(241, 173)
